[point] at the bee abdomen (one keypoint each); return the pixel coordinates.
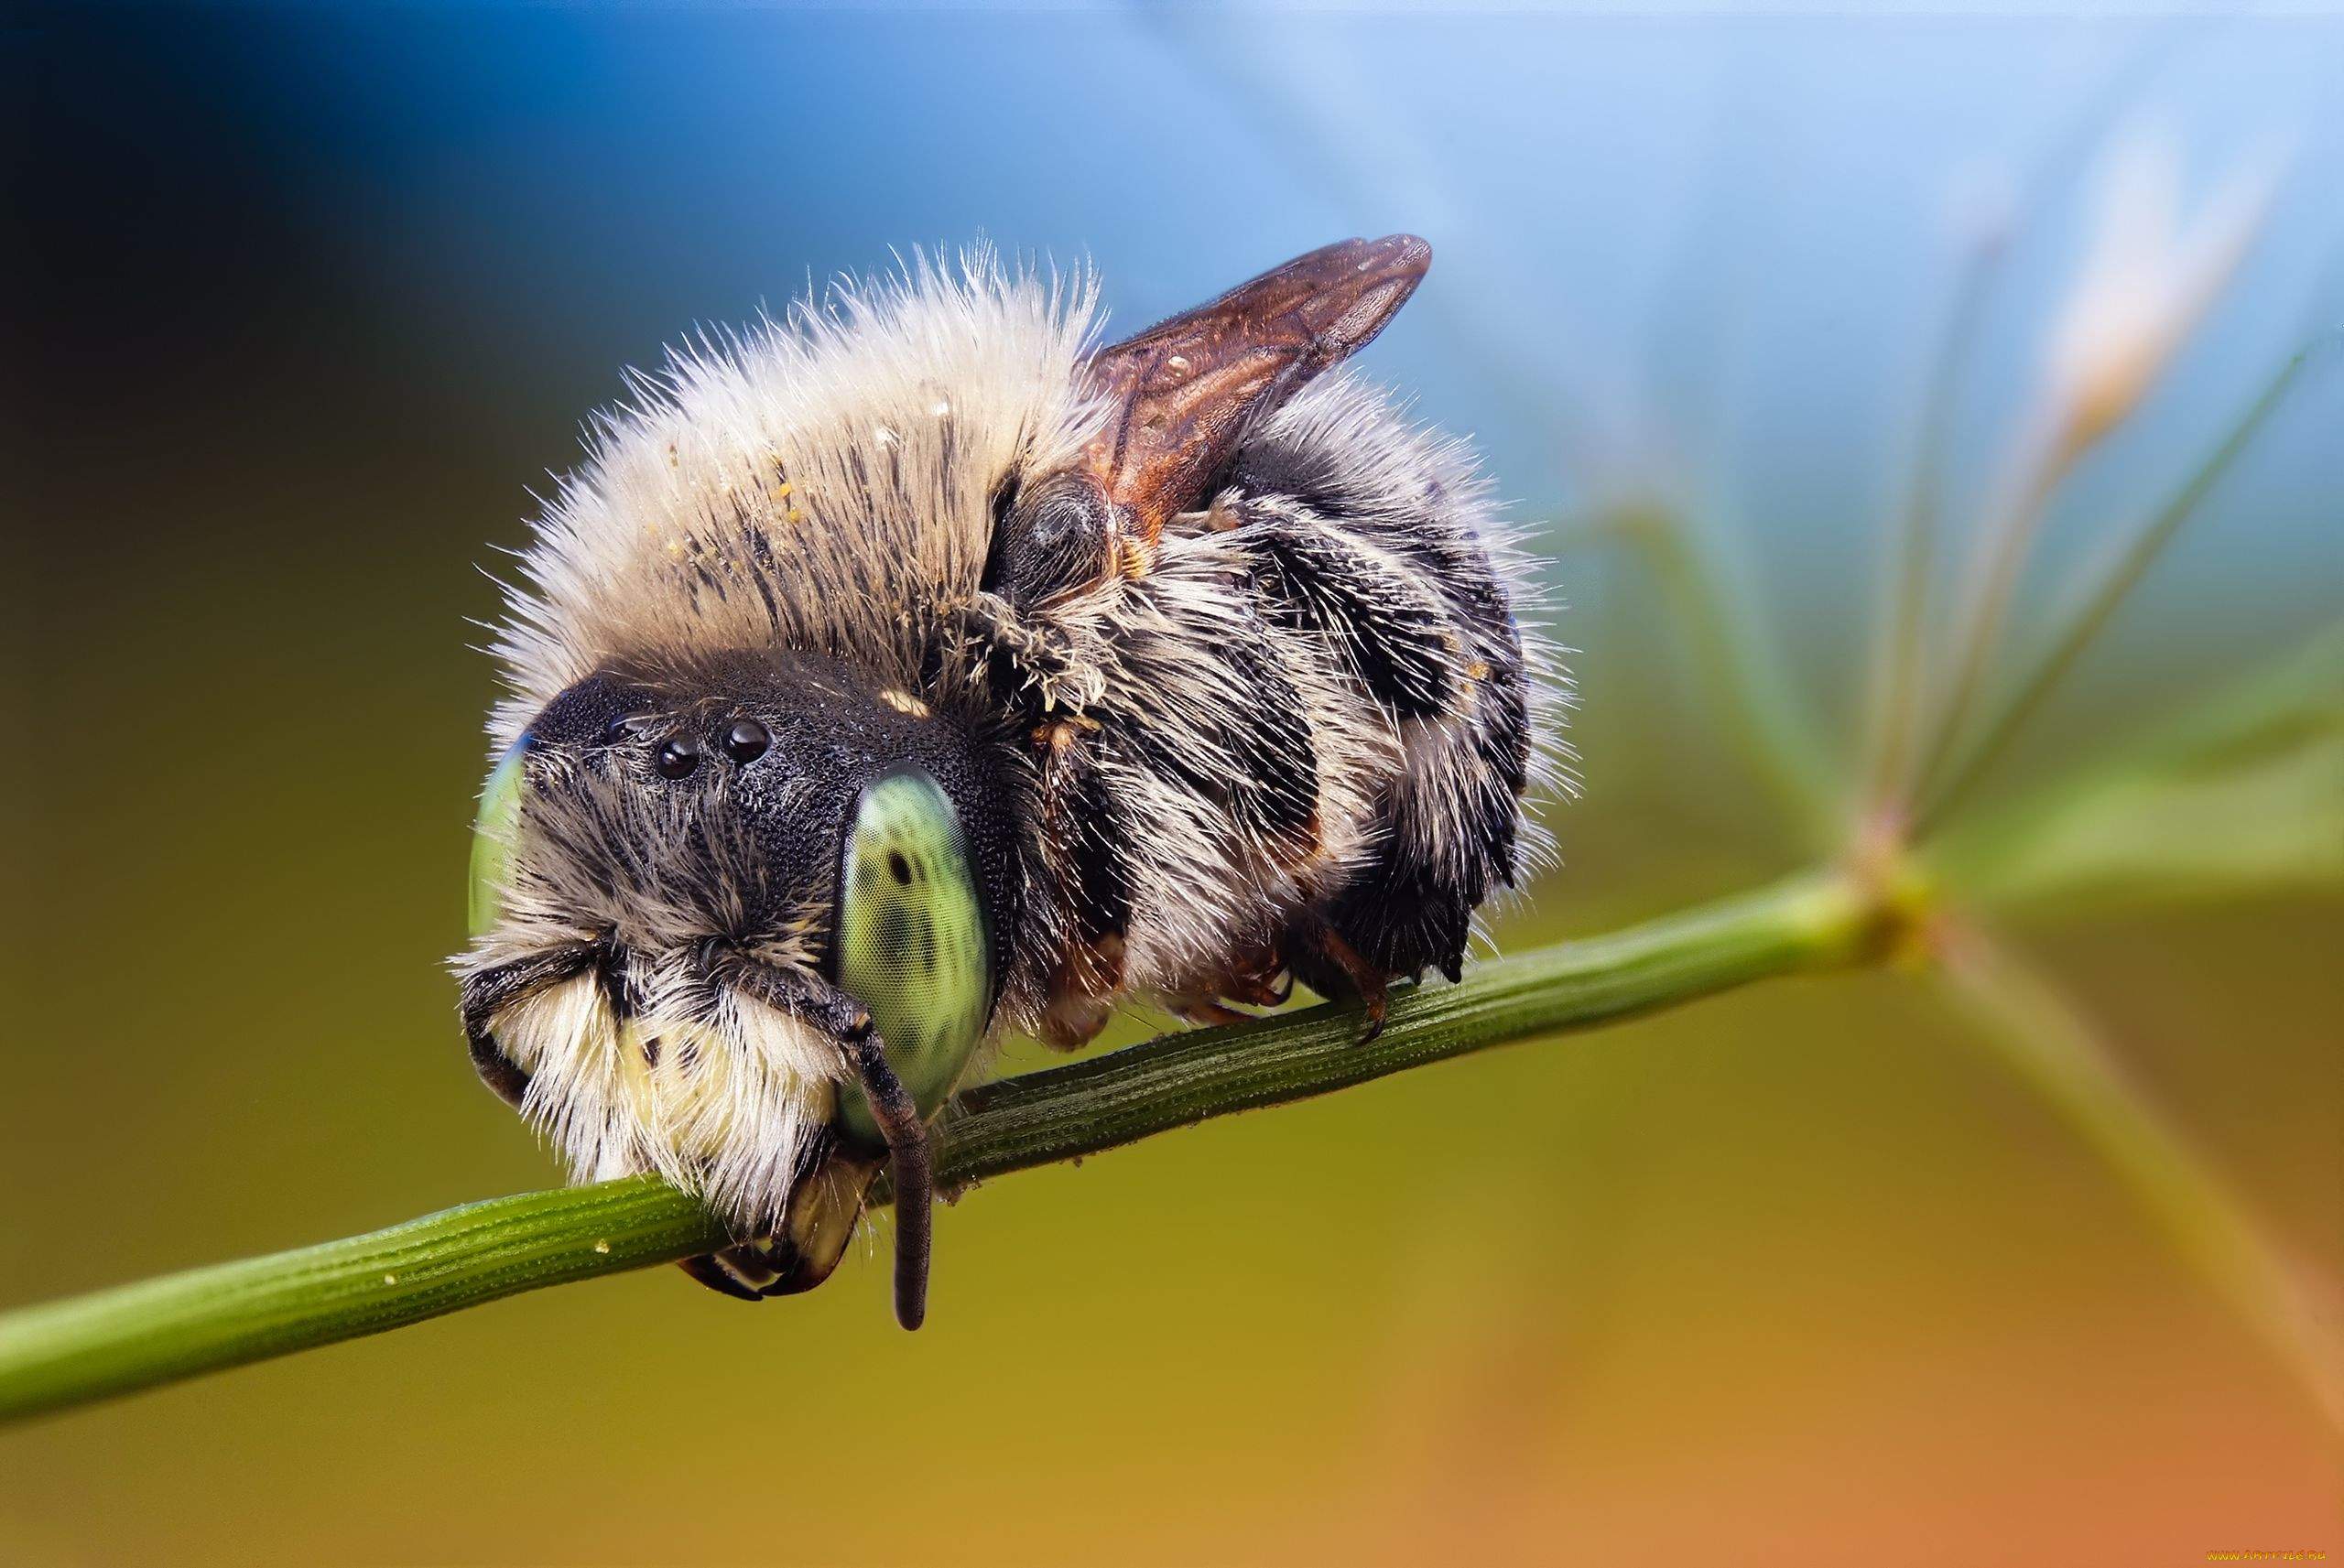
(1395, 637)
(1371, 534)
(1216, 714)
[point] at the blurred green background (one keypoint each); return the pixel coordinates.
(297, 305)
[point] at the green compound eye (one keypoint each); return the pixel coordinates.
(913, 946)
(493, 830)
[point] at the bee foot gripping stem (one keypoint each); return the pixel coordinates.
(1332, 966)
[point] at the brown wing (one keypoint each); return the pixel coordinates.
(1187, 390)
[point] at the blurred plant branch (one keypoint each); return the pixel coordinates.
(2091, 609)
(2147, 281)
(2243, 794)
(2246, 793)
(156, 1331)
(2239, 793)
(1747, 689)
(1903, 637)
(2043, 1037)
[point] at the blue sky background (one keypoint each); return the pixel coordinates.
(1705, 254)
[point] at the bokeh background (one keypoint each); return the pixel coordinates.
(301, 301)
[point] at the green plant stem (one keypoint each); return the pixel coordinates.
(1806, 923)
(177, 1325)
(156, 1331)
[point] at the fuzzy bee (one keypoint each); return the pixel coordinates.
(911, 670)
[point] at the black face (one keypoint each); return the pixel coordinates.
(773, 748)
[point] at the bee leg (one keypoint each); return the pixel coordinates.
(1330, 966)
(491, 992)
(1028, 661)
(1260, 979)
(1256, 976)
(1074, 1018)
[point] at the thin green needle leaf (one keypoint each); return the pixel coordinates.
(2243, 793)
(2048, 1043)
(2091, 609)
(1746, 682)
(1904, 629)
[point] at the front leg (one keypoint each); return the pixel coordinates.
(488, 992)
(1034, 661)
(1330, 965)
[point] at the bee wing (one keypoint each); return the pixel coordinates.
(1185, 391)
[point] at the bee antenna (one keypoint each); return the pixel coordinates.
(911, 1169)
(911, 1160)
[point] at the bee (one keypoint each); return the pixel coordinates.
(911, 670)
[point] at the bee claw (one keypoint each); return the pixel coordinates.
(1257, 989)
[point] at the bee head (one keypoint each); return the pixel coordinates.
(690, 885)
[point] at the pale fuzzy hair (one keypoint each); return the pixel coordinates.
(892, 413)
(736, 1094)
(799, 483)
